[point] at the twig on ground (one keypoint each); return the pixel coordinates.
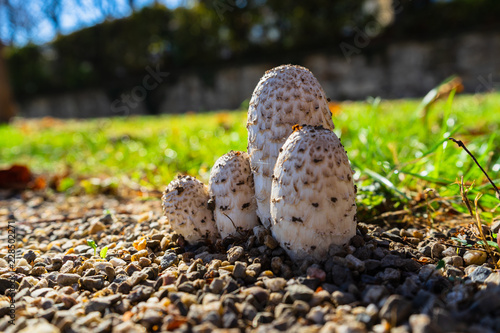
(480, 227)
(475, 216)
(461, 144)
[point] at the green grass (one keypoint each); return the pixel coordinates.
(396, 154)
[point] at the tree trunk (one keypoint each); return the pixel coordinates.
(7, 106)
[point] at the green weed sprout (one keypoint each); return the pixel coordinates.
(92, 244)
(102, 253)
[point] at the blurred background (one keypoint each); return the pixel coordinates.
(91, 58)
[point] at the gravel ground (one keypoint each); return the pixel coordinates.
(388, 279)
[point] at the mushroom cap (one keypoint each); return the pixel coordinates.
(313, 194)
(231, 186)
(285, 96)
(185, 204)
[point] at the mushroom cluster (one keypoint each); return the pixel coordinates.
(296, 180)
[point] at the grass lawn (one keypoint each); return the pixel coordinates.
(396, 151)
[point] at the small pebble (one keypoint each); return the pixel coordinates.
(480, 274)
(234, 253)
(275, 284)
(239, 270)
(117, 262)
(396, 308)
(299, 292)
(67, 279)
(96, 227)
(472, 257)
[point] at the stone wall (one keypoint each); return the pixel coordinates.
(402, 69)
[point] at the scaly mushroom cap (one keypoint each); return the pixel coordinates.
(185, 204)
(231, 186)
(313, 194)
(285, 96)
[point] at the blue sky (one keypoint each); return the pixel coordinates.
(75, 14)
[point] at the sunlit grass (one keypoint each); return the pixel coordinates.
(389, 143)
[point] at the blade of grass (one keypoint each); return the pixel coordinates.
(440, 142)
(444, 129)
(385, 182)
(439, 181)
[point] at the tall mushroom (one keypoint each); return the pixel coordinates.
(285, 96)
(313, 194)
(185, 204)
(231, 187)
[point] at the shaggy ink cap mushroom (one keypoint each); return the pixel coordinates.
(231, 187)
(185, 204)
(285, 96)
(313, 195)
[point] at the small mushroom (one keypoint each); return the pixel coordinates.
(285, 96)
(313, 195)
(231, 187)
(185, 204)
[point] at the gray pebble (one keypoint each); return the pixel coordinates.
(453, 272)
(41, 292)
(168, 260)
(262, 317)
(239, 270)
(342, 298)
(260, 233)
(275, 284)
(276, 263)
(426, 250)
(270, 242)
(255, 268)
(374, 293)
(142, 293)
(101, 303)
(300, 292)
(216, 285)
(493, 279)
(454, 260)
(354, 263)
(337, 250)
(495, 227)
(30, 256)
(449, 252)
(234, 253)
(341, 275)
(137, 277)
(92, 283)
(421, 323)
(480, 274)
(390, 275)
(131, 268)
(396, 309)
(437, 250)
(67, 279)
(283, 309)
(67, 267)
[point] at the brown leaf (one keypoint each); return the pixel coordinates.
(17, 177)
